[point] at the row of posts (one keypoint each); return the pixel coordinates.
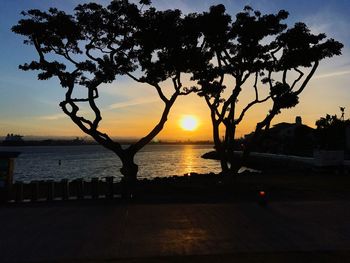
(17, 190)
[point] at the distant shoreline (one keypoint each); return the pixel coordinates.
(81, 143)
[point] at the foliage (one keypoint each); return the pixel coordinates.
(331, 132)
(97, 44)
(262, 48)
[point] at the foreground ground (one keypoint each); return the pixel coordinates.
(176, 232)
(306, 220)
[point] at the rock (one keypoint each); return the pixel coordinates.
(211, 155)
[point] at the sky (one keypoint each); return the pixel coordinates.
(31, 107)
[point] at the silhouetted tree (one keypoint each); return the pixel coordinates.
(342, 110)
(97, 44)
(331, 131)
(259, 47)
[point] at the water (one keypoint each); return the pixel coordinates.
(42, 162)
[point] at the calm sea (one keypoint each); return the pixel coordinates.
(42, 162)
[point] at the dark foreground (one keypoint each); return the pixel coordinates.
(286, 231)
(201, 218)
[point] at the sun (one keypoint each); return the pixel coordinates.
(189, 123)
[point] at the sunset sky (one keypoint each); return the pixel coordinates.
(30, 107)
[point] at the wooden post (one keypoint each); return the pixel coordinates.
(65, 189)
(6, 173)
(19, 192)
(50, 190)
(109, 188)
(94, 188)
(9, 192)
(34, 185)
(80, 188)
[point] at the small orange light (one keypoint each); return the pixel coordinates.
(262, 193)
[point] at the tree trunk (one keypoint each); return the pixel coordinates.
(235, 163)
(251, 143)
(129, 171)
(219, 148)
(223, 161)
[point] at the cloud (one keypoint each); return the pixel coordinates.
(332, 74)
(119, 105)
(133, 102)
(324, 21)
(53, 117)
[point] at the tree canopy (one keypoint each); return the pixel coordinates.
(331, 131)
(96, 44)
(258, 47)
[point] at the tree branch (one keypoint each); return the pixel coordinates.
(274, 52)
(134, 78)
(255, 86)
(94, 107)
(160, 93)
(245, 78)
(307, 79)
(87, 52)
(301, 74)
(101, 138)
(270, 79)
(157, 129)
(284, 76)
(251, 104)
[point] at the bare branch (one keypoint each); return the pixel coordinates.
(251, 104)
(83, 120)
(101, 138)
(284, 76)
(301, 74)
(134, 78)
(175, 83)
(224, 59)
(87, 52)
(79, 100)
(228, 57)
(245, 78)
(213, 110)
(307, 79)
(254, 102)
(160, 93)
(274, 52)
(94, 107)
(145, 140)
(255, 86)
(232, 101)
(225, 107)
(270, 79)
(156, 85)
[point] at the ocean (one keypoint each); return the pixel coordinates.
(88, 161)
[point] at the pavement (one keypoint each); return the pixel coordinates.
(304, 231)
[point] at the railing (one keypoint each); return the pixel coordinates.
(64, 190)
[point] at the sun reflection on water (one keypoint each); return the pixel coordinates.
(41, 163)
(187, 158)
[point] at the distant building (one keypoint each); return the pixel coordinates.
(13, 139)
(78, 141)
(287, 138)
